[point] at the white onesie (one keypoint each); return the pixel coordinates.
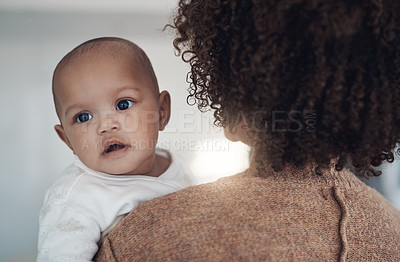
(83, 203)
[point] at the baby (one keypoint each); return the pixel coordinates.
(110, 110)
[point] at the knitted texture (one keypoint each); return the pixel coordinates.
(291, 216)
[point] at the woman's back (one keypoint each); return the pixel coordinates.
(295, 215)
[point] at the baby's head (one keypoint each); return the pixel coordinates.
(109, 106)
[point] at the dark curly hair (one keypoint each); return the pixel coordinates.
(317, 80)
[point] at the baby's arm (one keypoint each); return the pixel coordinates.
(66, 234)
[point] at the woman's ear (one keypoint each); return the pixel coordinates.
(61, 134)
(165, 109)
(230, 134)
(240, 133)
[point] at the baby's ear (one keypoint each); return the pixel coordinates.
(62, 135)
(165, 109)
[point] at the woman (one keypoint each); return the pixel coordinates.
(313, 88)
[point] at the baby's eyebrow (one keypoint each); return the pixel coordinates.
(72, 107)
(123, 88)
(126, 90)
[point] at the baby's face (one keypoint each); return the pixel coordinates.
(110, 113)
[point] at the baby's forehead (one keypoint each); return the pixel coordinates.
(105, 50)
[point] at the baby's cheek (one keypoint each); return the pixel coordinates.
(85, 145)
(86, 148)
(148, 122)
(131, 123)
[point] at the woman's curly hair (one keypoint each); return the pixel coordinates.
(315, 80)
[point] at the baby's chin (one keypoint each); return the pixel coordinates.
(112, 169)
(123, 165)
(123, 171)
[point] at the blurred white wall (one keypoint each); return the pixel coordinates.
(32, 41)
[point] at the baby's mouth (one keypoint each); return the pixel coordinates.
(113, 147)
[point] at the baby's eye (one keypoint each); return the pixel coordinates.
(83, 117)
(124, 104)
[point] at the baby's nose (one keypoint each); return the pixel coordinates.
(108, 123)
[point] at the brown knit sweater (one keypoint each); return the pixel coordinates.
(291, 216)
